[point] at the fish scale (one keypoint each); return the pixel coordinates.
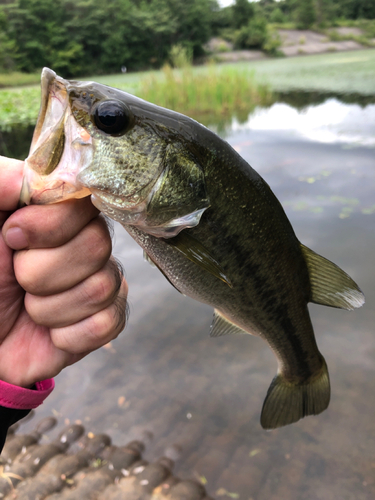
(203, 216)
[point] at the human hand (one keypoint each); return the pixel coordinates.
(62, 295)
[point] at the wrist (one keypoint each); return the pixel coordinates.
(21, 398)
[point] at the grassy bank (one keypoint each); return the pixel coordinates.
(208, 94)
(341, 72)
(18, 106)
(228, 84)
(16, 79)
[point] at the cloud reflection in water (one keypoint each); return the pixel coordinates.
(329, 122)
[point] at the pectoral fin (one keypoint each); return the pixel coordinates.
(193, 250)
(148, 259)
(154, 264)
(222, 326)
(330, 285)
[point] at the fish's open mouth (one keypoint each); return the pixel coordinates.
(60, 148)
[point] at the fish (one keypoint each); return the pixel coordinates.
(203, 217)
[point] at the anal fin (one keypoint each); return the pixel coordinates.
(330, 285)
(222, 326)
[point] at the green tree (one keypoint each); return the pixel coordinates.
(242, 11)
(221, 19)
(7, 62)
(360, 9)
(77, 37)
(277, 16)
(193, 18)
(305, 14)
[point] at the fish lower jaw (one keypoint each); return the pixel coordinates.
(118, 208)
(115, 202)
(41, 190)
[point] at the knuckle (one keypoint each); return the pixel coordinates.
(34, 309)
(110, 322)
(62, 339)
(99, 242)
(122, 308)
(27, 275)
(60, 221)
(103, 287)
(100, 288)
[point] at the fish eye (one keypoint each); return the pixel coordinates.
(112, 117)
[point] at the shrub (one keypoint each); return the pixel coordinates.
(272, 43)
(253, 35)
(181, 56)
(277, 16)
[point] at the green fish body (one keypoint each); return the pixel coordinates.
(202, 215)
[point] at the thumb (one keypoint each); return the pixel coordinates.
(11, 174)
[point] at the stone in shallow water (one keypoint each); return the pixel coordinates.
(89, 467)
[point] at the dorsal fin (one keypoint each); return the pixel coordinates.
(222, 326)
(330, 285)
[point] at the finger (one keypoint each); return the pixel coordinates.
(11, 174)
(48, 226)
(95, 331)
(90, 296)
(11, 294)
(49, 271)
(38, 358)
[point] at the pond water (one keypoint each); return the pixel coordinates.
(202, 396)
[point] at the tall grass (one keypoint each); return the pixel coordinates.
(18, 106)
(216, 92)
(213, 94)
(15, 79)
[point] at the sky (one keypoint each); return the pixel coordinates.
(225, 3)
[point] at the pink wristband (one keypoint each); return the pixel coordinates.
(19, 398)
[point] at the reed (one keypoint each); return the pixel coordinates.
(211, 91)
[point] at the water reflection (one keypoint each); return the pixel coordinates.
(16, 142)
(204, 395)
(329, 122)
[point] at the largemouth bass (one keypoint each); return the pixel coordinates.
(202, 215)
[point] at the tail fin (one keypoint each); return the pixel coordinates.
(287, 402)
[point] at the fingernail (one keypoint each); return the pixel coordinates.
(16, 239)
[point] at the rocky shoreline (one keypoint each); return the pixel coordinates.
(293, 43)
